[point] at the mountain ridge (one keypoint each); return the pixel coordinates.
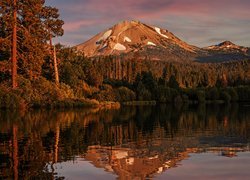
(128, 37)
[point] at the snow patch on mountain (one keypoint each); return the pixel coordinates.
(131, 36)
(127, 39)
(119, 47)
(158, 30)
(105, 45)
(104, 36)
(151, 44)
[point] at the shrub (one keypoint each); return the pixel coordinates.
(225, 96)
(144, 95)
(212, 94)
(41, 92)
(233, 93)
(178, 99)
(201, 96)
(125, 94)
(243, 93)
(184, 98)
(106, 93)
(10, 99)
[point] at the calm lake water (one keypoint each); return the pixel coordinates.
(160, 142)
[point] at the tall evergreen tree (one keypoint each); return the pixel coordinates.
(14, 46)
(53, 26)
(24, 30)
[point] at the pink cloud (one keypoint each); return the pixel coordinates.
(91, 16)
(135, 8)
(98, 11)
(75, 25)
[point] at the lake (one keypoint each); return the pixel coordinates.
(135, 142)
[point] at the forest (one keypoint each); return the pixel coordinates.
(36, 73)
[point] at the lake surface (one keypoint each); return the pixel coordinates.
(159, 142)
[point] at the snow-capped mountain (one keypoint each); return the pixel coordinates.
(154, 43)
(132, 36)
(227, 46)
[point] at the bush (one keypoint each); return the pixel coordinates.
(166, 94)
(201, 96)
(74, 103)
(184, 98)
(106, 93)
(144, 95)
(170, 94)
(82, 90)
(39, 92)
(233, 93)
(243, 93)
(124, 94)
(11, 100)
(212, 94)
(225, 96)
(178, 99)
(191, 94)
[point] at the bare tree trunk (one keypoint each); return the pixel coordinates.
(14, 47)
(53, 52)
(55, 67)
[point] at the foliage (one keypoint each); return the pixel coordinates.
(212, 94)
(10, 100)
(166, 94)
(225, 96)
(233, 94)
(201, 96)
(142, 92)
(106, 93)
(173, 82)
(35, 23)
(243, 93)
(111, 78)
(124, 94)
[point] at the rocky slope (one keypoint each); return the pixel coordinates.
(133, 38)
(225, 51)
(228, 46)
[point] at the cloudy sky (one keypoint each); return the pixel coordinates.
(198, 22)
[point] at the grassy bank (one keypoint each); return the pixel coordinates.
(41, 93)
(140, 103)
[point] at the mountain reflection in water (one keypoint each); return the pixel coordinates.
(129, 143)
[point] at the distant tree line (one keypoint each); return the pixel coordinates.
(33, 72)
(109, 78)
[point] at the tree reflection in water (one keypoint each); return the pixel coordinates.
(132, 142)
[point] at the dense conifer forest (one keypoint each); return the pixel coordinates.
(35, 73)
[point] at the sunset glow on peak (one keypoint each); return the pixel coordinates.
(200, 23)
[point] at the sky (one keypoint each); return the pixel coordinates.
(198, 22)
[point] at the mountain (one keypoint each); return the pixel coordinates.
(228, 46)
(133, 37)
(225, 51)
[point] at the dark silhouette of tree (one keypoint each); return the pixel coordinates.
(173, 83)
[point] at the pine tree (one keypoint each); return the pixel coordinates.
(8, 37)
(173, 82)
(53, 26)
(24, 35)
(14, 46)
